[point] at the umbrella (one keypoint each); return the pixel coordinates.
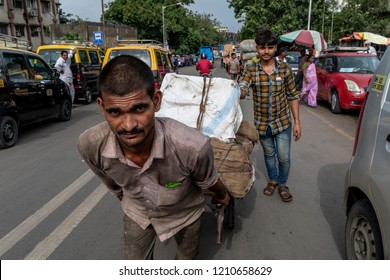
(374, 38)
(306, 38)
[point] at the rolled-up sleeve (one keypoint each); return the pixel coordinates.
(204, 173)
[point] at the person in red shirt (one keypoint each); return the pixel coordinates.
(204, 65)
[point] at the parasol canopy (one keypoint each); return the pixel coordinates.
(306, 38)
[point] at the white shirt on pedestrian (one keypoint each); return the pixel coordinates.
(63, 67)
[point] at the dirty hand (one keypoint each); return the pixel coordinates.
(218, 199)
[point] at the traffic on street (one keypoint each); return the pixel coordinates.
(55, 208)
(158, 133)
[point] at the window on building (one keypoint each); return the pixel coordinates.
(1, 2)
(17, 4)
(35, 31)
(3, 28)
(45, 6)
(19, 29)
(31, 4)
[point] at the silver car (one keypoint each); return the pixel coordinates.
(367, 190)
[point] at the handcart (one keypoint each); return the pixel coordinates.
(212, 106)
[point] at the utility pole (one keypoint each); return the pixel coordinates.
(104, 27)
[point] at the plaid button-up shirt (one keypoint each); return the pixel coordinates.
(271, 96)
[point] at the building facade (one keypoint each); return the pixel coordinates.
(28, 19)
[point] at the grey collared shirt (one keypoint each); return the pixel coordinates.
(167, 191)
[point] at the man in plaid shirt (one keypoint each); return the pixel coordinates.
(274, 100)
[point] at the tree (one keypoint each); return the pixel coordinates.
(283, 16)
(361, 16)
(185, 30)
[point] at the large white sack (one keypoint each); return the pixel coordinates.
(182, 96)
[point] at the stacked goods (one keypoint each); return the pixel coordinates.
(228, 49)
(186, 98)
(233, 162)
(248, 51)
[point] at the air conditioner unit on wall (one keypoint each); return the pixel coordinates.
(33, 13)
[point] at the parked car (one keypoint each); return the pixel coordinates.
(30, 91)
(367, 188)
(85, 64)
(293, 61)
(150, 51)
(343, 75)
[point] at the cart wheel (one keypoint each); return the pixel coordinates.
(229, 214)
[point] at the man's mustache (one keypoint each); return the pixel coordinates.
(133, 131)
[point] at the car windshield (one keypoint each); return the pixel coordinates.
(357, 64)
(141, 54)
(51, 56)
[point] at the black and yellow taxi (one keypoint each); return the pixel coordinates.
(150, 51)
(86, 64)
(30, 91)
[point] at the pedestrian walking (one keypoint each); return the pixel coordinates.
(282, 55)
(227, 59)
(234, 67)
(275, 99)
(310, 83)
(157, 167)
(175, 61)
(299, 76)
(63, 67)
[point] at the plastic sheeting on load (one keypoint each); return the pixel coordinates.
(182, 96)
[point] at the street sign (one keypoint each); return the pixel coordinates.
(97, 37)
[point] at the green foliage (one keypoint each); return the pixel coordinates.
(186, 31)
(72, 37)
(66, 18)
(283, 16)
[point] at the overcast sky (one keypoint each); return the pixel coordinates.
(92, 9)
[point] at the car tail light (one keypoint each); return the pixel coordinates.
(359, 122)
(78, 77)
(156, 85)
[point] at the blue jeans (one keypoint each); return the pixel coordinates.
(277, 147)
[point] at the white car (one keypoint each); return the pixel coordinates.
(367, 189)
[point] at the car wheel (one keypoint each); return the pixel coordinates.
(65, 110)
(88, 96)
(362, 234)
(335, 103)
(9, 132)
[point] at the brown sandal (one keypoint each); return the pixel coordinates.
(285, 194)
(270, 188)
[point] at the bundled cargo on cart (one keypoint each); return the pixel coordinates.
(248, 51)
(212, 106)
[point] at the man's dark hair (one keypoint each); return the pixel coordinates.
(62, 52)
(125, 74)
(265, 37)
(282, 50)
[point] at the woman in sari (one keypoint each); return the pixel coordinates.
(310, 83)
